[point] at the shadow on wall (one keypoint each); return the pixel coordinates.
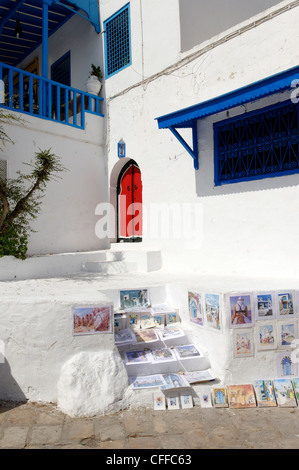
(9, 388)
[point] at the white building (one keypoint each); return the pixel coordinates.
(197, 121)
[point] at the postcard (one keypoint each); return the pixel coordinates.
(146, 320)
(92, 320)
(146, 336)
(286, 367)
(266, 335)
(170, 332)
(264, 305)
(212, 309)
(241, 396)
(137, 357)
(285, 303)
(133, 319)
(187, 351)
(195, 308)
(148, 381)
(174, 381)
(159, 320)
(131, 298)
(220, 397)
(296, 387)
(205, 399)
(287, 333)
(159, 401)
(264, 392)
(125, 336)
(186, 401)
(284, 392)
(241, 310)
(163, 355)
(173, 403)
(243, 342)
(194, 377)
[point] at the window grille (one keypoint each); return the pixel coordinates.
(117, 41)
(264, 143)
(3, 170)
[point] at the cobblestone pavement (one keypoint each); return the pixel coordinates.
(38, 426)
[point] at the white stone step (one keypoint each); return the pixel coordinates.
(109, 267)
(126, 260)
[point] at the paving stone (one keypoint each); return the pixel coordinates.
(118, 444)
(174, 441)
(14, 437)
(21, 416)
(50, 434)
(145, 442)
(138, 423)
(109, 428)
(78, 429)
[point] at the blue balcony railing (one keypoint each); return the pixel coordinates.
(31, 94)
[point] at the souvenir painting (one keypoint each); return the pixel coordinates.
(146, 336)
(134, 298)
(195, 308)
(148, 381)
(173, 403)
(137, 357)
(264, 392)
(162, 355)
(284, 392)
(205, 399)
(174, 381)
(241, 396)
(146, 320)
(243, 342)
(285, 303)
(133, 319)
(187, 351)
(170, 332)
(264, 304)
(159, 320)
(287, 333)
(186, 401)
(241, 311)
(212, 308)
(266, 335)
(220, 397)
(159, 401)
(285, 365)
(171, 318)
(122, 337)
(296, 387)
(92, 320)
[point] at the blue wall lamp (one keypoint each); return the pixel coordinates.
(121, 149)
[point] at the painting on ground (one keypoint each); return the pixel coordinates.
(134, 298)
(212, 307)
(264, 305)
(195, 308)
(92, 320)
(284, 392)
(243, 342)
(241, 310)
(220, 397)
(241, 396)
(264, 392)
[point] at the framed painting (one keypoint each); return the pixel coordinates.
(148, 381)
(174, 381)
(264, 305)
(212, 311)
(186, 401)
(92, 320)
(173, 403)
(241, 396)
(266, 335)
(243, 342)
(195, 308)
(241, 314)
(220, 397)
(205, 399)
(287, 333)
(146, 336)
(159, 401)
(285, 301)
(284, 392)
(134, 298)
(286, 367)
(265, 394)
(163, 355)
(187, 351)
(137, 357)
(123, 337)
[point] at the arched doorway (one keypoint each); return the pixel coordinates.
(129, 203)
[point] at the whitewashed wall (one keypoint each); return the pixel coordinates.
(67, 218)
(234, 239)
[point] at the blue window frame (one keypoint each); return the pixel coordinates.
(117, 41)
(61, 73)
(262, 144)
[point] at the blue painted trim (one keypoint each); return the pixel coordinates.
(125, 7)
(192, 151)
(45, 23)
(240, 117)
(91, 8)
(10, 14)
(260, 89)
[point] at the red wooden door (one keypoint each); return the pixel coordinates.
(130, 203)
